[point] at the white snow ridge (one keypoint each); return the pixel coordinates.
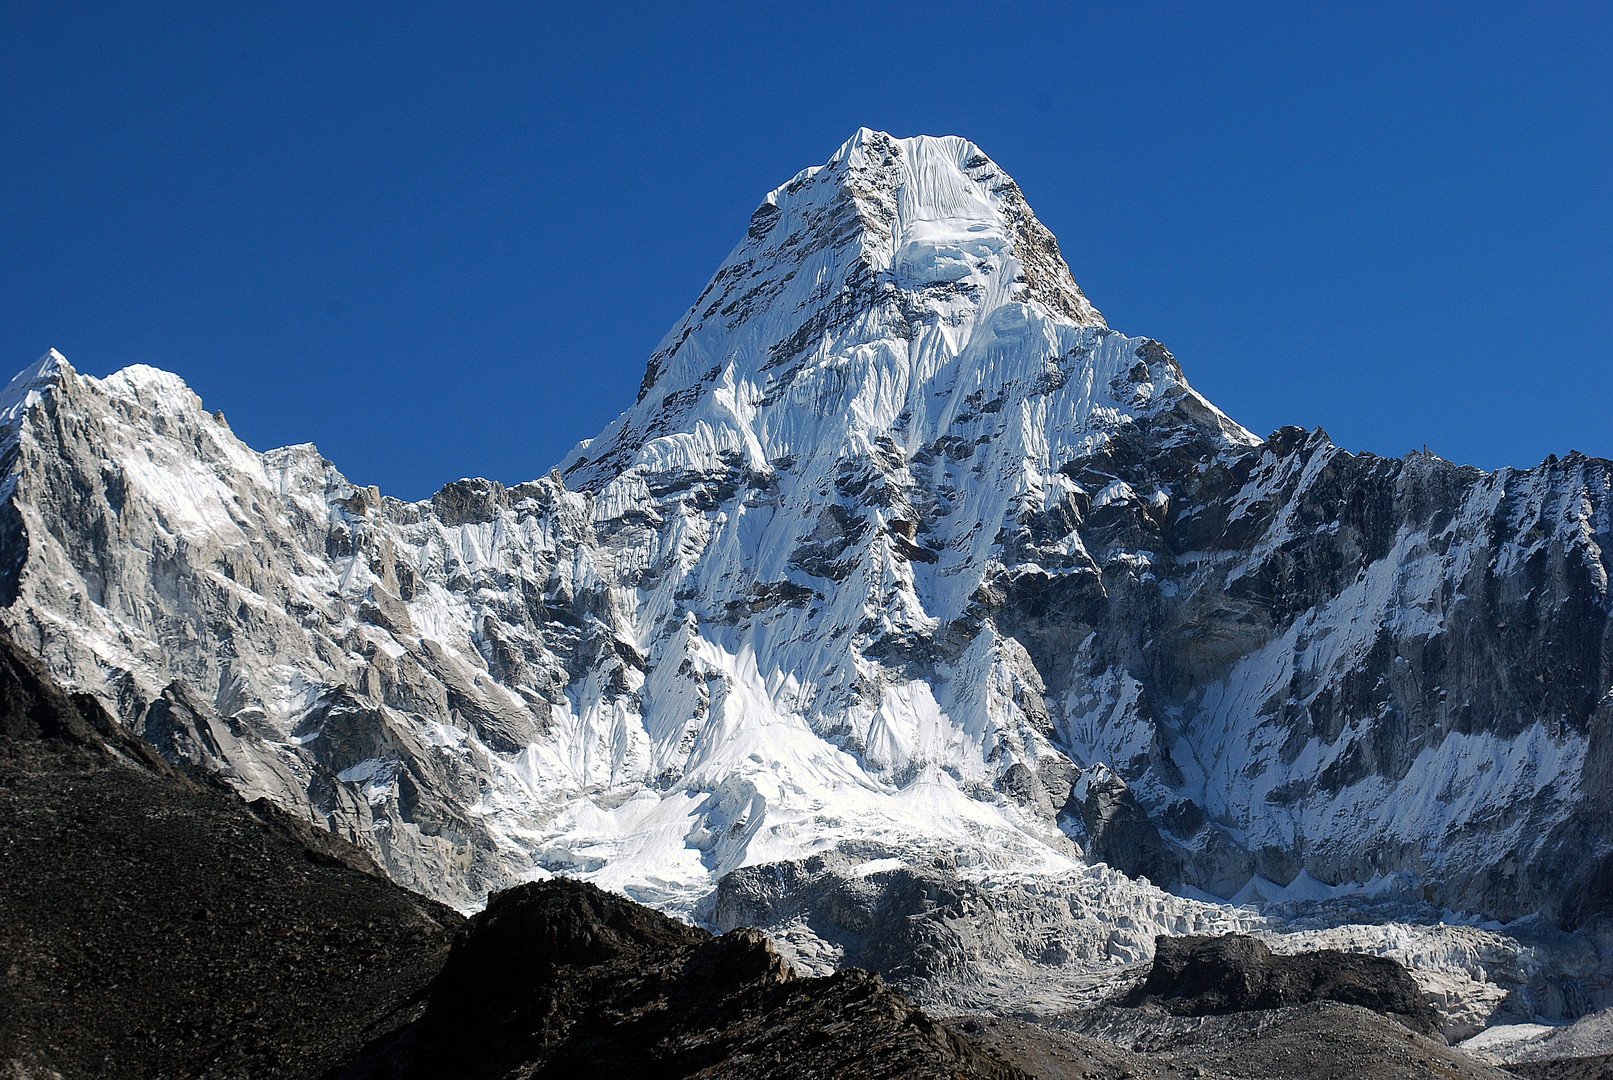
(910, 612)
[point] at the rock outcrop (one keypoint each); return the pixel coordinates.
(559, 979)
(1212, 976)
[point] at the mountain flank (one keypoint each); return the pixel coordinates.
(154, 925)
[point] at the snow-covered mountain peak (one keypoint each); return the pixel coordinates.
(47, 366)
(24, 389)
(936, 209)
(857, 293)
(138, 386)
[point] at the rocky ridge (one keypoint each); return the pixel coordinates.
(560, 979)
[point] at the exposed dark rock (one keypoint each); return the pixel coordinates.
(1211, 976)
(1518, 639)
(155, 926)
(1120, 832)
(465, 502)
(560, 979)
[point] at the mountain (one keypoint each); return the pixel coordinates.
(905, 590)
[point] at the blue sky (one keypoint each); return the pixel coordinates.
(442, 242)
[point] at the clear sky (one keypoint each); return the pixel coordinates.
(443, 242)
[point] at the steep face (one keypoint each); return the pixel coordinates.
(858, 282)
(817, 480)
(1419, 683)
(257, 614)
(900, 552)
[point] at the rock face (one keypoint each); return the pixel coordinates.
(560, 979)
(1212, 976)
(900, 549)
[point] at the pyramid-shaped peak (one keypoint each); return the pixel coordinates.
(45, 371)
(930, 223)
(872, 272)
(920, 152)
(929, 209)
(48, 366)
(30, 383)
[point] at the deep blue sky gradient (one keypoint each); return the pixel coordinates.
(444, 243)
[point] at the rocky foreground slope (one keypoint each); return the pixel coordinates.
(905, 579)
(153, 924)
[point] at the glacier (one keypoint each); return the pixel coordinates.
(906, 590)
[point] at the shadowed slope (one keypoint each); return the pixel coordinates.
(560, 979)
(157, 926)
